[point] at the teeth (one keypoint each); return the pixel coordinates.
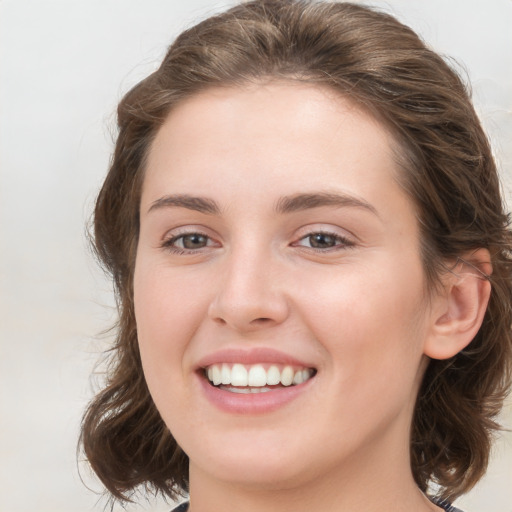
(297, 378)
(216, 379)
(245, 391)
(273, 376)
(287, 376)
(239, 376)
(225, 374)
(255, 378)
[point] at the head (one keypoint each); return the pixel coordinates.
(445, 167)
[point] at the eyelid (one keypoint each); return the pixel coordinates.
(180, 232)
(326, 228)
(187, 229)
(346, 239)
(343, 242)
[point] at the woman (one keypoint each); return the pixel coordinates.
(304, 226)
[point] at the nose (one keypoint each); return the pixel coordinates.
(250, 294)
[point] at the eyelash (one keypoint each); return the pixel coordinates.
(341, 242)
(168, 244)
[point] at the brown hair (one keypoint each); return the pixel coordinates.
(448, 169)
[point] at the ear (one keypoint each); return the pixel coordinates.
(459, 309)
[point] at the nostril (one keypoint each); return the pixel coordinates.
(261, 320)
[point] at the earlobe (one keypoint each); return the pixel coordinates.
(459, 311)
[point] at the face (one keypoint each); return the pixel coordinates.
(279, 290)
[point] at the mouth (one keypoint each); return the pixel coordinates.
(256, 378)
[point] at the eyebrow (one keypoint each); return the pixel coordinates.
(199, 204)
(300, 202)
(285, 204)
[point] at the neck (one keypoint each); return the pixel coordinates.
(361, 484)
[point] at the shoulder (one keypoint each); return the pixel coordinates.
(181, 508)
(445, 505)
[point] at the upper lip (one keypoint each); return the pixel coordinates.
(251, 356)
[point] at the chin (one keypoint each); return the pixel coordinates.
(254, 464)
(259, 474)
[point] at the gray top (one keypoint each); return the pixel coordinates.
(445, 505)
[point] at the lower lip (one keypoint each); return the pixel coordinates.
(252, 403)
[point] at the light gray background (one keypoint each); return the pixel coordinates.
(64, 64)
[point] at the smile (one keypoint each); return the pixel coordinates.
(256, 378)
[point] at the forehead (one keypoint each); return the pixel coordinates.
(269, 130)
(279, 102)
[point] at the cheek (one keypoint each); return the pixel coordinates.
(167, 313)
(166, 304)
(371, 322)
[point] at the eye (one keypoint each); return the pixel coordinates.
(323, 240)
(188, 242)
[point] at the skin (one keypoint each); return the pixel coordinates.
(354, 309)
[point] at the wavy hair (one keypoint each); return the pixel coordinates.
(447, 169)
